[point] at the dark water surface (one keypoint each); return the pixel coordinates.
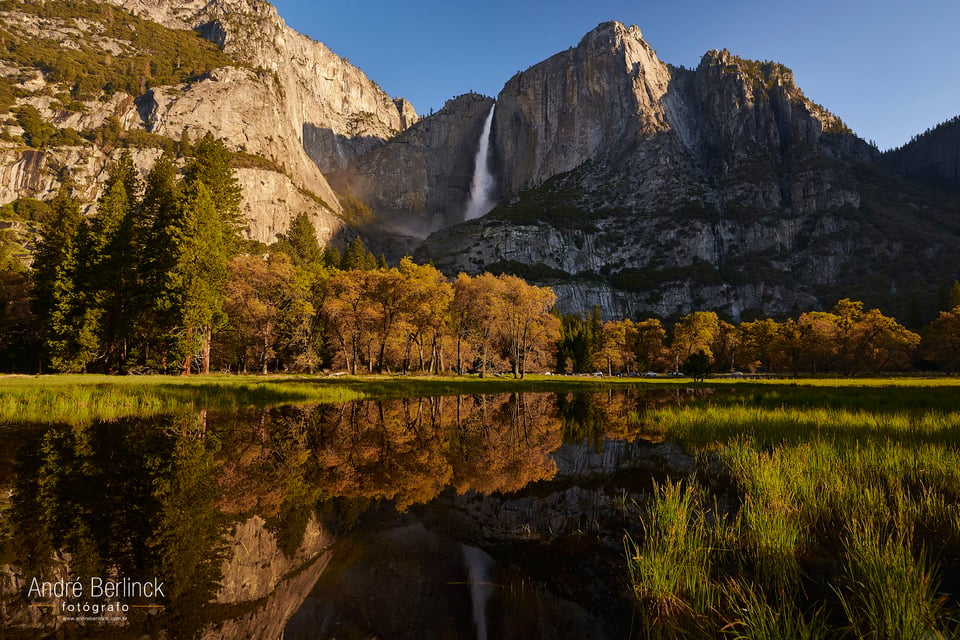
(498, 516)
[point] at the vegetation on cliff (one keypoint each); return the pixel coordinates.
(110, 49)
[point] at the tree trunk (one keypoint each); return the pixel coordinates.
(187, 360)
(207, 338)
(459, 357)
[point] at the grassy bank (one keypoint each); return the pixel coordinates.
(68, 398)
(77, 398)
(835, 513)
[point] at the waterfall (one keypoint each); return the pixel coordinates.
(478, 574)
(479, 202)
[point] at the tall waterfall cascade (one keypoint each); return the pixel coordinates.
(480, 201)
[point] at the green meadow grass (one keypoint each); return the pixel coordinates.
(79, 398)
(845, 498)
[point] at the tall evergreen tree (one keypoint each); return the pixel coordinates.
(154, 241)
(203, 243)
(356, 257)
(57, 298)
(300, 241)
(58, 237)
(108, 270)
(211, 166)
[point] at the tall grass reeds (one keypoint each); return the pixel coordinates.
(670, 566)
(757, 617)
(888, 593)
(829, 500)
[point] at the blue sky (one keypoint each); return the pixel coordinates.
(889, 69)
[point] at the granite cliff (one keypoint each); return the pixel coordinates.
(289, 102)
(650, 189)
(622, 181)
(419, 181)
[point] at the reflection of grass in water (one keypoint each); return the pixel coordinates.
(808, 477)
(79, 398)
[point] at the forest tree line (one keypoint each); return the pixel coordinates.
(846, 340)
(161, 280)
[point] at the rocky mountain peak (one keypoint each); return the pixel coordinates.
(612, 31)
(644, 188)
(579, 104)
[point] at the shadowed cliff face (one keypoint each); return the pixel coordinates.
(419, 181)
(933, 157)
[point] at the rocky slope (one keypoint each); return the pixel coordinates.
(649, 189)
(933, 156)
(321, 102)
(285, 99)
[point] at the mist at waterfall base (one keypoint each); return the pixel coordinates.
(480, 202)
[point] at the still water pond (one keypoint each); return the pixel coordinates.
(485, 516)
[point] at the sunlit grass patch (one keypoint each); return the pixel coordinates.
(758, 616)
(671, 566)
(78, 398)
(806, 478)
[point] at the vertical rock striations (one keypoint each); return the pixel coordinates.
(588, 102)
(649, 189)
(420, 180)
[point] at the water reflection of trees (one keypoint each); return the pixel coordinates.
(154, 497)
(129, 499)
(403, 450)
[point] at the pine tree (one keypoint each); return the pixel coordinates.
(184, 147)
(211, 166)
(156, 250)
(54, 271)
(58, 236)
(107, 272)
(356, 257)
(299, 242)
(954, 300)
(125, 172)
(107, 267)
(195, 285)
(332, 258)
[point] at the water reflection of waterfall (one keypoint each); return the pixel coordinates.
(478, 574)
(480, 201)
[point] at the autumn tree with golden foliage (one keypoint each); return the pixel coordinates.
(941, 341)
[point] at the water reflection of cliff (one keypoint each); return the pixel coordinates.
(237, 512)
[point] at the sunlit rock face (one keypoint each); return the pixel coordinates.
(648, 189)
(303, 109)
(300, 105)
